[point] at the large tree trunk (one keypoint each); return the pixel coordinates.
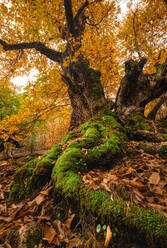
(85, 91)
(137, 89)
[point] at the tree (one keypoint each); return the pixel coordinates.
(142, 34)
(72, 34)
(138, 89)
(83, 83)
(9, 99)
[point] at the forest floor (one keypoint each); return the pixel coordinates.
(139, 178)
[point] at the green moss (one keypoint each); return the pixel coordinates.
(163, 151)
(107, 153)
(69, 184)
(92, 125)
(147, 222)
(72, 159)
(64, 174)
(165, 136)
(33, 238)
(17, 193)
(25, 171)
(71, 135)
(54, 153)
(41, 174)
(140, 123)
(113, 122)
(102, 135)
(135, 123)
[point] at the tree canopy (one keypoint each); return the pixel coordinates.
(36, 34)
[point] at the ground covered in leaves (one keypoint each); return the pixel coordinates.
(139, 178)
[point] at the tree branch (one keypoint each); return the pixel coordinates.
(154, 111)
(80, 11)
(135, 33)
(69, 16)
(40, 47)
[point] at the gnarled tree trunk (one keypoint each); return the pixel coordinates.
(85, 91)
(138, 89)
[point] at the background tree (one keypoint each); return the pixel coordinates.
(143, 34)
(9, 99)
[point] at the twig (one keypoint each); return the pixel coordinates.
(135, 33)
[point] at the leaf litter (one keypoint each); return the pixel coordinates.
(140, 180)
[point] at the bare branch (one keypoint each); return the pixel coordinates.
(135, 33)
(40, 47)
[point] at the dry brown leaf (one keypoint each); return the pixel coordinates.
(138, 194)
(56, 241)
(6, 219)
(105, 187)
(154, 178)
(47, 191)
(133, 183)
(39, 199)
(158, 190)
(59, 226)
(43, 218)
(48, 233)
(108, 237)
(68, 222)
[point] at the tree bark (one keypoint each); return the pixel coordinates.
(85, 91)
(138, 89)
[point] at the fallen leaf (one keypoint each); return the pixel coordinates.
(68, 222)
(59, 227)
(39, 199)
(47, 191)
(154, 178)
(48, 233)
(108, 237)
(6, 219)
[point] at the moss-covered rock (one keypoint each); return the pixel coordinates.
(138, 122)
(134, 125)
(21, 177)
(64, 174)
(54, 152)
(150, 226)
(33, 175)
(105, 154)
(71, 135)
